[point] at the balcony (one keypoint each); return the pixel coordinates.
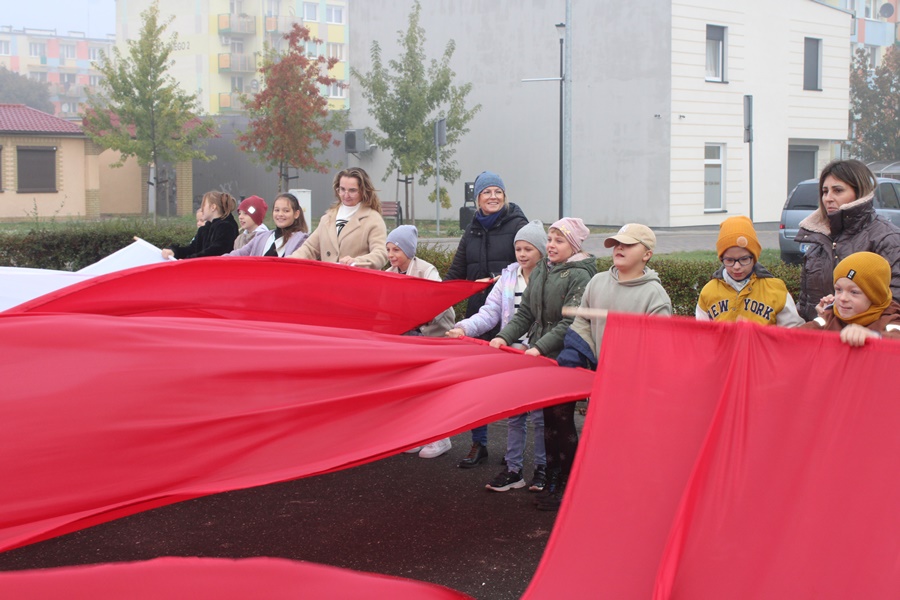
(237, 25)
(237, 63)
(280, 24)
(230, 102)
(873, 33)
(66, 90)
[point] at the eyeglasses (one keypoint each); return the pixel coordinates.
(492, 194)
(744, 261)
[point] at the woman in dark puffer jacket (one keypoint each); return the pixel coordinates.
(488, 244)
(485, 249)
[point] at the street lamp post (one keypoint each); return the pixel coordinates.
(561, 30)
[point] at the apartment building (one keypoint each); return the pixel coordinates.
(657, 101)
(64, 62)
(874, 25)
(221, 42)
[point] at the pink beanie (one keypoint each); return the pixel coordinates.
(574, 230)
(254, 206)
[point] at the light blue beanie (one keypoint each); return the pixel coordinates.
(405, 237)
(485, 180)
(534, 234)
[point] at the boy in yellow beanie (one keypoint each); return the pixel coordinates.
(743, 289)
(862, 306)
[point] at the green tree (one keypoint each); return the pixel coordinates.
(875, 106)
(18, 89)
(140, 110)
(406, 99)
(290, 124)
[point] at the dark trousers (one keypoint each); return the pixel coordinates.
(560, 438)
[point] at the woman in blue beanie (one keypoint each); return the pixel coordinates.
(486, 248)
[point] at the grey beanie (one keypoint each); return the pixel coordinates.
(405, 237)
(485, 180)
(534, 234)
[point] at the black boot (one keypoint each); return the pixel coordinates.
(552, 483)
(553, 499)
(477, 455)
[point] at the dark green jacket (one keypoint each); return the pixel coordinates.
(540, 314)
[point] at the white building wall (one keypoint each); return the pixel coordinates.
(765, 42)
(620, 151)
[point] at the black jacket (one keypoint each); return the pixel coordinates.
(215, 238)
(485, 253)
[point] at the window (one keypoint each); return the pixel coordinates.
(336, 90)
(237, 46)
(715, 53)
(334, 14)
(67, 78)
(310, 11)
(237, 84)
(36, 168)
(67, 50)
(312, 49)
(272, 7)
(38, 76)
(94, 80)
(37, 49)
(812, 64)
(4, 47)
(713, 183)
(336, 51)
(870, 9)
(236, 7)
(886, 196)
(94, 53)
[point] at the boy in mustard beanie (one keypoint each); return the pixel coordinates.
(862, 306)
(742, 288)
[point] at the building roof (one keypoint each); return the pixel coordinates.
(18, 118)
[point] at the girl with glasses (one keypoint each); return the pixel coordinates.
(743, 289)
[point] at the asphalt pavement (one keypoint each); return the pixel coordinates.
(404, 516)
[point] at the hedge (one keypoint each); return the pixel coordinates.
(72, 246)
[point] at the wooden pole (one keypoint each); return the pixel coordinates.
(587, 313)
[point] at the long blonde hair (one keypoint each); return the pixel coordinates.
(366, 189)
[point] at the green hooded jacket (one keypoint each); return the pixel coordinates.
(540, 314)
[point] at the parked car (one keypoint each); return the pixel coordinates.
(804, 199)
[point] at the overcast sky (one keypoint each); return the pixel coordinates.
(94, 17)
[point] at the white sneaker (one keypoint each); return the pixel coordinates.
(414, 450)
(435, 449)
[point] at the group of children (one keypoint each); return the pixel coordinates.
(552, 272)
(219, 235)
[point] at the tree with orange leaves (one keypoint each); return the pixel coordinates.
(290, 124)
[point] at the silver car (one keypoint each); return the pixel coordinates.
(804, 199)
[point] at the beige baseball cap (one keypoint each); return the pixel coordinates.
(633, 233)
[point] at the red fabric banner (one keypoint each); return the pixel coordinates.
(732, 461)
(109, 416)
(222, 579)
(262, 289)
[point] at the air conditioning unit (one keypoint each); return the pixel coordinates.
(225, 40)
(355, 141)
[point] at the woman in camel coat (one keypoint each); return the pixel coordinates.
(352, 231)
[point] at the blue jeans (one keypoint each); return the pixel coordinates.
(517, 433)
(479, 435)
